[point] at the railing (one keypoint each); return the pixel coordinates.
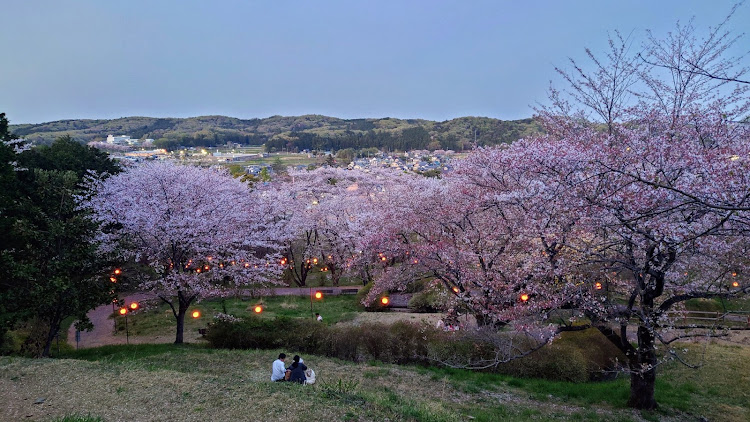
(735, 320)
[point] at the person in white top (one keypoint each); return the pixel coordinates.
(278, 369)
(318, 317)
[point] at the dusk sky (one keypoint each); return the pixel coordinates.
(408, 59)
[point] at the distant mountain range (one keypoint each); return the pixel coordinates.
(290, 133)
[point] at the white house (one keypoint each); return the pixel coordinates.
(119, 140)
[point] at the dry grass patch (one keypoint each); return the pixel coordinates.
(391, 317)
(167, 382)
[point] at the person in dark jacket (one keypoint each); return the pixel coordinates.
(298, 370)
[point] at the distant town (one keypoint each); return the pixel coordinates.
(254, 159)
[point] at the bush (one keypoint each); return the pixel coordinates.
(401, 342)
(433, 298)
(558, 362)
(575, 356)
(461, 349)
(9, 343)
(704, 305)
(363, 292)
(250, 333)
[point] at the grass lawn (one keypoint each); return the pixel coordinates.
(158, 319)
(168, 382)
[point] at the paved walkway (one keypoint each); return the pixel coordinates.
(104, 326)
(304, 291)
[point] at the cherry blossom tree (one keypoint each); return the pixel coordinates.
(622, 225)
(493, 235)
(662, 196)
(198, 232)
(660, 248)
(581, 221)
(327, 213)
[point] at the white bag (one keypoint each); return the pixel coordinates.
(310, 375)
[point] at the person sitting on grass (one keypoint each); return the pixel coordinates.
(278, 370)
(298, 370)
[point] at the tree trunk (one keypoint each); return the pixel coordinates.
(486, 321)
(184, 303)
(180, 323)
(54, 329)
(643, 372)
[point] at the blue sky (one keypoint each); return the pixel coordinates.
(409, 59)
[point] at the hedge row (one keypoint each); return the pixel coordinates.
(576, 356)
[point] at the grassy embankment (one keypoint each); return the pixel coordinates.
(168, 382)
(157, 319)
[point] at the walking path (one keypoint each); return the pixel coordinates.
(104, 326)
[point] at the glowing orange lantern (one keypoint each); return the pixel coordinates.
(112, 279)
(455, 289)
(123, 311)
(734, 274)
(134, 306)
(258, 309)
(598, 286)
(196, 314)
(384, 300)
(735, 284)
(318, 295)
(117, 271)
(524, 297)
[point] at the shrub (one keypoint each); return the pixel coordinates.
(250, 333)
(559, 362)
(9, 343)
(305, 335)
(363, 292)
(575, 356)
(461, 349)
(704, 305)
(434, 298)
(342, 342)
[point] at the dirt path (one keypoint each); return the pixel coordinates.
(103, 333)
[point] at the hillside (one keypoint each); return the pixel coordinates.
(194, 383)
(290, 133)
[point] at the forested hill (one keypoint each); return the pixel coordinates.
(290, 133)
